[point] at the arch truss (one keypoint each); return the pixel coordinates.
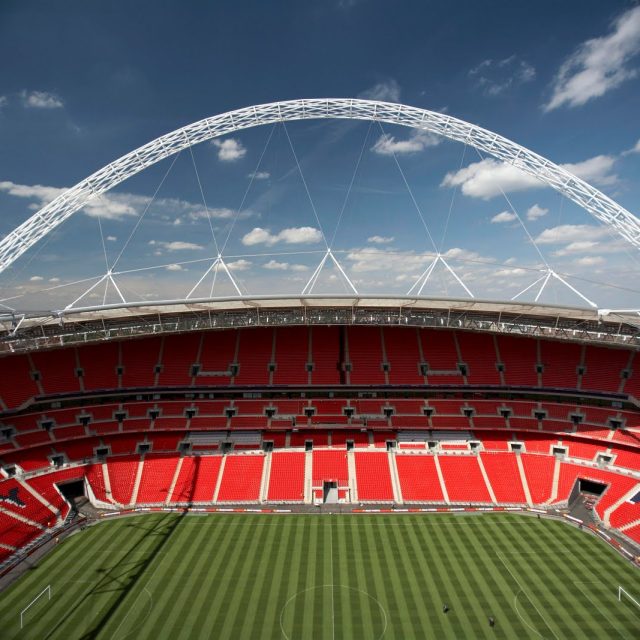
(58, 210)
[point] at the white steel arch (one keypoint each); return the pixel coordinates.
(57, 211)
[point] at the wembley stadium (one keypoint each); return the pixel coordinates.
(352, 464)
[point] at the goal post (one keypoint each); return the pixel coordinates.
(622, 591)
(46, 590)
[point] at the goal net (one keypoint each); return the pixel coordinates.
(45, 591)
(627, 595)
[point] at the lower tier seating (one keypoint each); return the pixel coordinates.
(373, 477)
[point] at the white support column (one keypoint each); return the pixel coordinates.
(555, 482)
(395, 478)
(174, 481)
(487, 482)
(353, 476)
(27, 487)
(443, 486)
(136, 485)
(617, 503)
(107, 482)
(523, 479)
(266, 476)
(219, 479)
(308, 477)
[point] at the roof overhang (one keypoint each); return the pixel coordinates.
(29, 331)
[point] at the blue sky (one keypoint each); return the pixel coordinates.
(88, 82)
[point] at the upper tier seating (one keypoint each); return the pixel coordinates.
(217, 354)
(291, 357)
(365, 355)
(441, 355)
(519, 356)
(256, 346)
(139, 359)
(325, 355)
(179, 354)
(479, 353)
(560, 364)
(403, 355)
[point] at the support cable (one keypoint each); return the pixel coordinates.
(304, 182)
(135, 228)
(246, 193)
(413, 199)
(353, 177)
(204, 201)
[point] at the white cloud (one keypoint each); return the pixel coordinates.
(36, 279)
(116, 206)
(229, 150)
(590, 261)
(596, 170)
(292, 235)
(494, 77)
(380, 239)
(388, 91)
(41, 100)
(635, 149)
(3, 101)
(274, 265)
(417, 141)
(239, 265)
(111, 238)
(259, 175)
(579, 246)
(511, 272)
(504, 216)
(599, 64)
(173, 267)
(54, 280)
(176, 245)
(488, 178)
(571, 233)
(536, 211)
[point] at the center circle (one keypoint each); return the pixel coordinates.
(351, 601)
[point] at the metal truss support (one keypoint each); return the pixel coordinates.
(217, 264)
(14, 244)
(544, 278)
(426, 274)
(316, 274)
(106, 278)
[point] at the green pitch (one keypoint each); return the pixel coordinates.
(326, 577)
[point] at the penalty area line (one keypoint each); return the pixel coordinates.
(523, 590)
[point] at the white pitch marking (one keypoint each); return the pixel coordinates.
(526, 594)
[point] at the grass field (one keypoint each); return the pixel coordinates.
(327, 577)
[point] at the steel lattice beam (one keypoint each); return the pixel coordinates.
(57, 211)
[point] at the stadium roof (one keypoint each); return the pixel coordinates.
(89, 324)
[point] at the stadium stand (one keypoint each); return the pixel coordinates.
(286, 478)
(241, 478)
(373, 477)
